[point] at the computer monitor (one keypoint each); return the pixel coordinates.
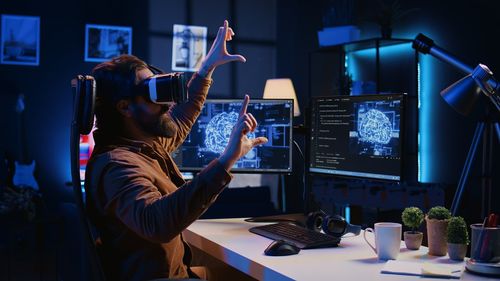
(210, 134)
(358, 136)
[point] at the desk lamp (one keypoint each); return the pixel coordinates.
(282, 88)
(462, 96)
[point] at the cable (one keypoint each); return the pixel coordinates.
(304, 168)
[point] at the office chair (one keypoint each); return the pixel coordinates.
(82, 123)
(83, 120)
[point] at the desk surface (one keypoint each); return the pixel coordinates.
(230, 241)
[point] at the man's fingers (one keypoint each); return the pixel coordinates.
(225, 29)
(243, 109)
(239, 58)
(259, 141)
(229, 34)
(246, 128)
(252, 120)
(220, 33)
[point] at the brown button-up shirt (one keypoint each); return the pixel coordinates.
(140, 204)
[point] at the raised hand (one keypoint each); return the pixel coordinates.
(218, 54)
(239, 144)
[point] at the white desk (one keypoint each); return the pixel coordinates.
(229, 241)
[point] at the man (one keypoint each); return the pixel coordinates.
(136, 196)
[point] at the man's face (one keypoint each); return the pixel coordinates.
(154, 119)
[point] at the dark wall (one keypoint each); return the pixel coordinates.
(46, 87)
(466, 29)
(48, 101)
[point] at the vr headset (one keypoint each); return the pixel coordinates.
(333, 225)
(163, 88)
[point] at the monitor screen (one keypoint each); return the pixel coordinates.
(357, 136)
(210, 134)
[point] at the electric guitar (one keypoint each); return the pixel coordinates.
(24, 169)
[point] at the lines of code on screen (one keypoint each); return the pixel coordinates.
(358, 136)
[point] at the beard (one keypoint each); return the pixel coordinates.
(160, 125)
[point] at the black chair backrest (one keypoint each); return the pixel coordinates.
(84, 87)
(82, 123)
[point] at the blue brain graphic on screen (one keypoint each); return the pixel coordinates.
(375, 127)
(219, 129)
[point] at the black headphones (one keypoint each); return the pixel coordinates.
(333, 225)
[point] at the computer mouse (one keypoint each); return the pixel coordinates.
(281, 248)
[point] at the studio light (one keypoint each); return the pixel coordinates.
(462, 96)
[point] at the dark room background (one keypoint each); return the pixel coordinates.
(276, 37)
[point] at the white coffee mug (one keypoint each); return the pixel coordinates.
(387, 239)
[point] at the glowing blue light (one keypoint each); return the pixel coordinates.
(393, 50)
(346, 64)
(419, 156)
(419, 160)
(426, 125)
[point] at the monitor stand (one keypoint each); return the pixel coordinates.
(296, 218)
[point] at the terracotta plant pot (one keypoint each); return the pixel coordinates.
(413, 239)
(457, 251)
(436, 236)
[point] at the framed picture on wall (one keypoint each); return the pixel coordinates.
(20, 41)
(103, 42)
(188, 47)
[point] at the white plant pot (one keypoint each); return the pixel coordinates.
(457, 251)
(413, 239)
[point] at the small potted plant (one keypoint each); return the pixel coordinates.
(458, 238)
(413, 217)
(437, 223)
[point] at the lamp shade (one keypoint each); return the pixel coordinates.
(462, 95)
(282, 89)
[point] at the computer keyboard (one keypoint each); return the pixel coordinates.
(302, 237)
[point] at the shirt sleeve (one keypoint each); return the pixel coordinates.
(138, 204)
(185, 114)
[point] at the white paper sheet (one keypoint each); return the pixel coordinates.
(422, 269)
